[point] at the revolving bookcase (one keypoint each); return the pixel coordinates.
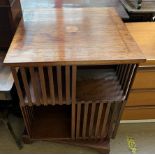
(73, 89)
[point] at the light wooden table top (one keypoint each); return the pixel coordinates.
(73, 36)
(144, 35)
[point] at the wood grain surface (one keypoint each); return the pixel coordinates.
(144, 35)
(73, 36)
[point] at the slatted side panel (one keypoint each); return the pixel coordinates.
(127, 83)
(43, 85)
(92, 119)
(125, 74)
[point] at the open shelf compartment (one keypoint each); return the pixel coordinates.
(49, 122)
(109, 83)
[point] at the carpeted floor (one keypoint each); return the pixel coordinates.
(143, 133)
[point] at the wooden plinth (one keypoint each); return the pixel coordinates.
(102, 146)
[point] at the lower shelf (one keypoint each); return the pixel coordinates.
(51, 122)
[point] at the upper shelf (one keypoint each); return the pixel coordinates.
(73, 36)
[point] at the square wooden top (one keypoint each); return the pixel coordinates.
(144, 35)
(73, 36)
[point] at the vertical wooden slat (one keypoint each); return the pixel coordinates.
(25, 120)
(127, 77)
(25, 117)
(26, 86)
(121, 73)
(29, 114)
(92, 118)
(105, 119)
(124, 75)
(43, 87)
(78, 119)
(51, 85)
(74, 72)
(34, 85)
(19, 91)
(118, 70)
(67, 84)
(130, 79)
(122, 106)
(59, 80)
(99, 119)
(85, 119)
(113, 118)
(123, 70)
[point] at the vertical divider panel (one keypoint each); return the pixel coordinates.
(19, 91)
(74, 74)
(34, 85)
(51, 85)
(67, 73)
(26, 85)
(43, 87)
(59, 80)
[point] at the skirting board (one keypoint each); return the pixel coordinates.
(138, 121)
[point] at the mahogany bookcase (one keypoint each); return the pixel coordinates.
(73, 69)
